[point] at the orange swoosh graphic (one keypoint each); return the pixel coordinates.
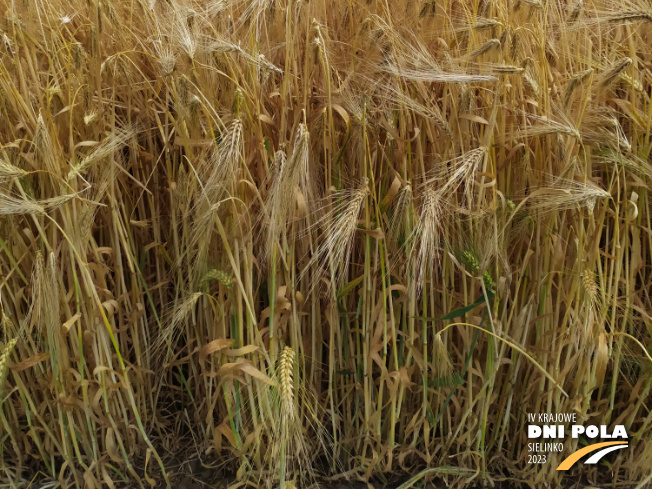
(575, 456)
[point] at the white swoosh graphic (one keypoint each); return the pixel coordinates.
(601, 453)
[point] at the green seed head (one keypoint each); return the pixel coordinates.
(488, 281)
(470, 261)
(220, 275)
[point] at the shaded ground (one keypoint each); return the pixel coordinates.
(193, 474)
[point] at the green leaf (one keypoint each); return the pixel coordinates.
(462, 310)
(452, 380)
(349, 287)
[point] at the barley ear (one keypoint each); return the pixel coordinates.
(442, 366)
(286, 383)
(590, 287)
(4, 361)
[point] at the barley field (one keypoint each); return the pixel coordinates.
(278, 243)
